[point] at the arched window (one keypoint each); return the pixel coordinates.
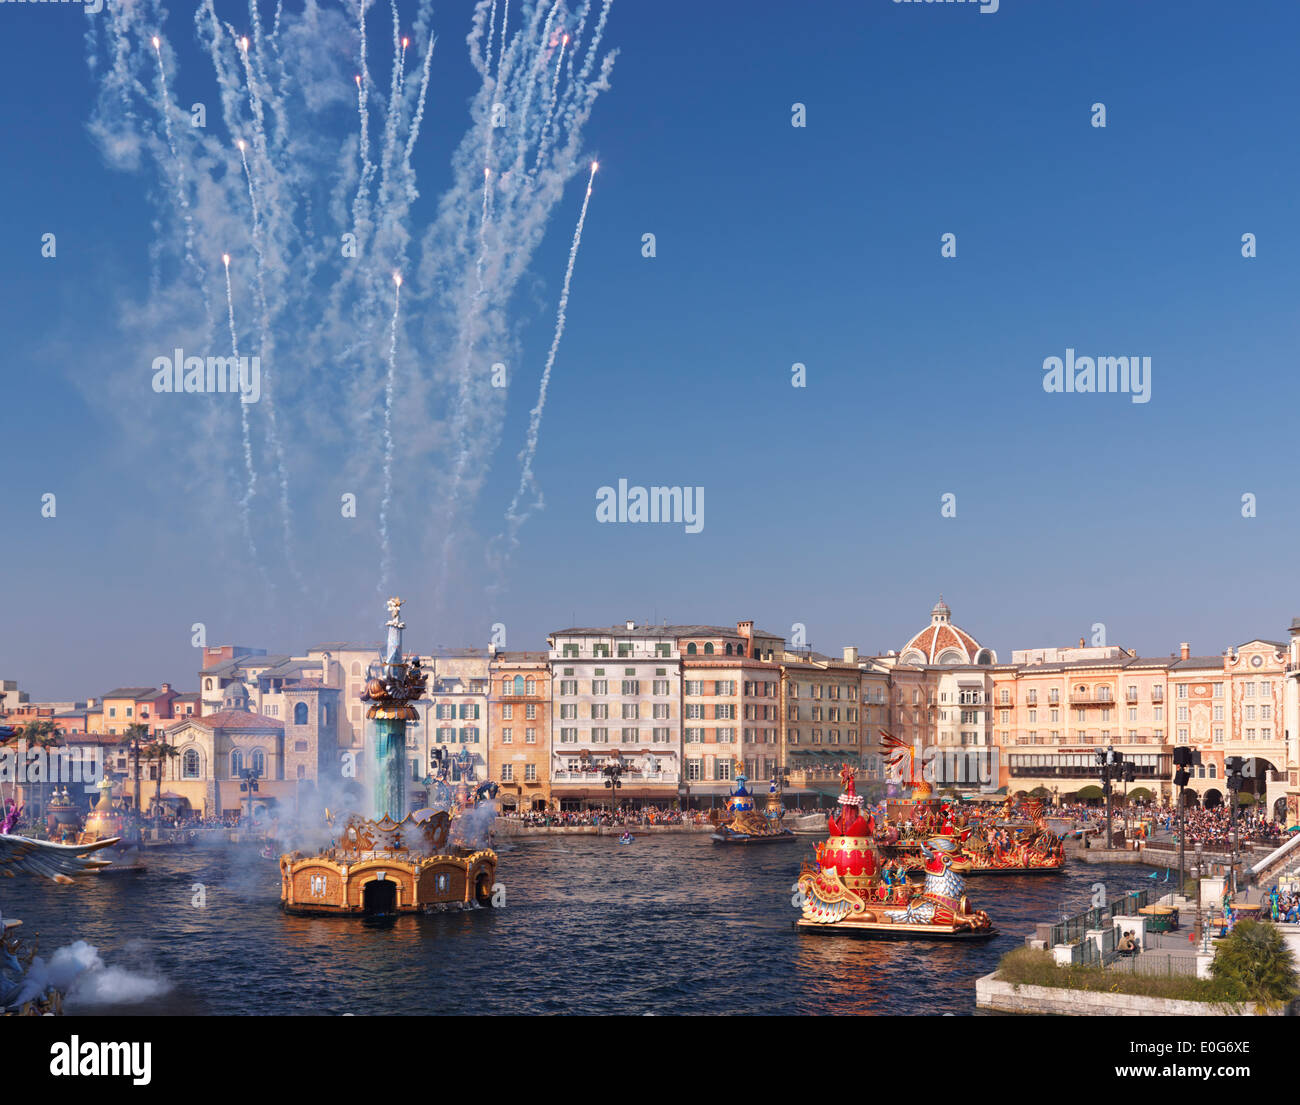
(728, 650)
(690, 649)
(236, 763)
(300, 714)
(708, 648)
(740, 650)
(207, 684)
(519, 684)
(325, 714)
(191, 765)
(1214, 771)
(259, 762)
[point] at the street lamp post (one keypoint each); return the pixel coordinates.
(1130, 775)
(613, 772)
(1235, 766)
(1184, 760)
(1111, 764)
(248, 786)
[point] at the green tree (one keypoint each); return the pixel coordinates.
(158, 752)
(136, 735)
(1255, 961)
(42, 735)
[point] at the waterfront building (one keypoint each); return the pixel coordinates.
(519, 729)
(616, 702)
(731, 708)
(940, 685)
(344, 665)
(288, 756)
(821, 727)
(1054, 708)
(454, 715)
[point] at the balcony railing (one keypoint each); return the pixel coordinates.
(597, 778)
(1091, 700)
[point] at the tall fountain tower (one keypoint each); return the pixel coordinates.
(393, 686)
(388, 860)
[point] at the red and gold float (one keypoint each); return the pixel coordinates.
(851, 891)
(1005, 842)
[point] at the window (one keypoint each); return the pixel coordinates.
(236, 763)
(530, 736)
(507, 712)
(690, 649)
(259, 762)
(631, 735)
(568, 686)
(631, 686)
(568, 736)
(530, 773)
(191, 765)
(507, 736)
(507, 773)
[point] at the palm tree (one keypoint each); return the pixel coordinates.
(159, 752)
(136, 734)
(42, 734)
(1255, 961)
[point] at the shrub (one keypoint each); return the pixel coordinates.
(1256, 965)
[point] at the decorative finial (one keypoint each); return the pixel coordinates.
(394, 612)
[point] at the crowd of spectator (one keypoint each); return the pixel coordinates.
(648, 815)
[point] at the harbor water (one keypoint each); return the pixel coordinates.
(670, 924)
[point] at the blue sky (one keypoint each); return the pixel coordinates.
(775, 245)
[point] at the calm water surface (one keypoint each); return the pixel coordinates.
(669, 924)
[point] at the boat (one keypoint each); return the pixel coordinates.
(108, 823)
(812, 823)
(626, 838)
(1001, 843)
(746, 825)
(851, 891)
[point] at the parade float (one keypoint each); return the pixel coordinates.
(391, 861)
(998, 844)
(851, 891)
(109, 825)
(22, 993)
(745, 825)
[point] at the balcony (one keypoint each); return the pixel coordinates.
(1091, 700)
(629, 778)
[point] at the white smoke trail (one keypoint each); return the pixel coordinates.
(386, 554)
(182, 196)
(313, 193)
(487, 41)
(505, 18)
(514, 519)
(543, 145)
(245, 504)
